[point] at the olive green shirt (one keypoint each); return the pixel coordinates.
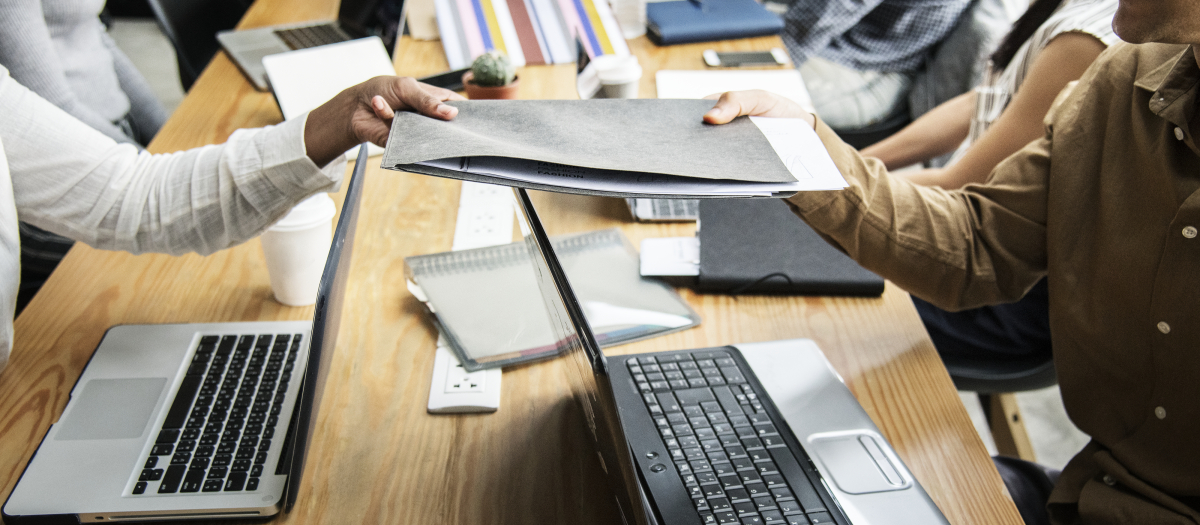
(1107, 206)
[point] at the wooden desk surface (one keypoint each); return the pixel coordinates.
(377, 456)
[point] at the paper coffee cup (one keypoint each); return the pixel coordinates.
(618, 75)
(296, 248)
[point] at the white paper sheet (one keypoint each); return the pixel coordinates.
(798, 146)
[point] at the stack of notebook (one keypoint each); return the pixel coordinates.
(487, 304)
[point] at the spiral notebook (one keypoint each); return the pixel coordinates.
(488, 305)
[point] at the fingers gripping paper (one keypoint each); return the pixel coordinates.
(650, 148)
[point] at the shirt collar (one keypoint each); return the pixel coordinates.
(1173, 84)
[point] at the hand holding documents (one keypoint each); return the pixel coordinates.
(617, 148)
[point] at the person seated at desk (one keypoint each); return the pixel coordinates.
(858, 58)
(61, 175)
(1049, 46)
(62, 51)
(1106, 204)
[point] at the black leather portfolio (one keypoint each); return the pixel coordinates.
(758, 246)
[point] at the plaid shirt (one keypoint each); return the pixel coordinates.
(869, 35)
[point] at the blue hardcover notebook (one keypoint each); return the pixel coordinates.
(686, 21)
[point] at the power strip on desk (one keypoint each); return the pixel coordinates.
(485, 218)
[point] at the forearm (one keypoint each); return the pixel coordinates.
(956, 249)
(935, 133)
(71, 180)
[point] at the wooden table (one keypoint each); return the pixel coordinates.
(377, 456)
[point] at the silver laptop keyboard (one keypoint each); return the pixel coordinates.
(218, 431)
(730, 454)
(305, 37)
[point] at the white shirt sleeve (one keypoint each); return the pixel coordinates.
(72, 180)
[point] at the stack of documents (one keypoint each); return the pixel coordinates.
(617, 148)
(528, 31)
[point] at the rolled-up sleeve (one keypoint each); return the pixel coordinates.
(957, 249)
(72, 180)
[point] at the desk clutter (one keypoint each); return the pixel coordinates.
(487, 302)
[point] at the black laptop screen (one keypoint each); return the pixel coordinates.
(587, 369)
(381, 18)
(326, 320)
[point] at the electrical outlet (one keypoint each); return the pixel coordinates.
(460, 381)
(485, 216)
(454, 390)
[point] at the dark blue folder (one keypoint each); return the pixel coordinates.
(685, 21)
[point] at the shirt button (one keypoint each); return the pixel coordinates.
(1108, 480)
(1189, 232)
(1164, 327)
(1179, 133)
(1160, 412)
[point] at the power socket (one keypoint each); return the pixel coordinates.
(456, 391)
(460, 381)
(485, 216)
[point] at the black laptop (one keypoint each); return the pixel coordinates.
(760, 433)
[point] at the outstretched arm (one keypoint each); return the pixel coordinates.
(204, 199)
(955, 249)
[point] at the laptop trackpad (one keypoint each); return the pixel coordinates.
(857, 463)
(112, 409)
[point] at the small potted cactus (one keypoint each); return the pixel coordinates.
(492, 76)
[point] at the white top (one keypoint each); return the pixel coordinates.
(1092, 17)
(61, 50)
(63, 176)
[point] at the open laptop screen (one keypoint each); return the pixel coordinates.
(382, 18)
(326, 320)
(587, 369)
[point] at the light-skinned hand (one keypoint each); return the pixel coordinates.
(755, 103)
(364, 113)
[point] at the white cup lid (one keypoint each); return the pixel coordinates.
(308, 213)
(613, 69)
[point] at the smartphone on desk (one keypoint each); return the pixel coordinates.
(774, 57)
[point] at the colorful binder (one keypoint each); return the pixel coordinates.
(529, 31)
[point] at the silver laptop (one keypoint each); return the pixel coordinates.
(356, 19)
(194, 421)
(761, 433)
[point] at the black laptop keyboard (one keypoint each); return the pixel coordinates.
(733, 461)
(311, 36)
(218, 432)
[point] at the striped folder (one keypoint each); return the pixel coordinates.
(529, 31)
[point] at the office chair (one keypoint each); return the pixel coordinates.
(192, 26)
(995, 381)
